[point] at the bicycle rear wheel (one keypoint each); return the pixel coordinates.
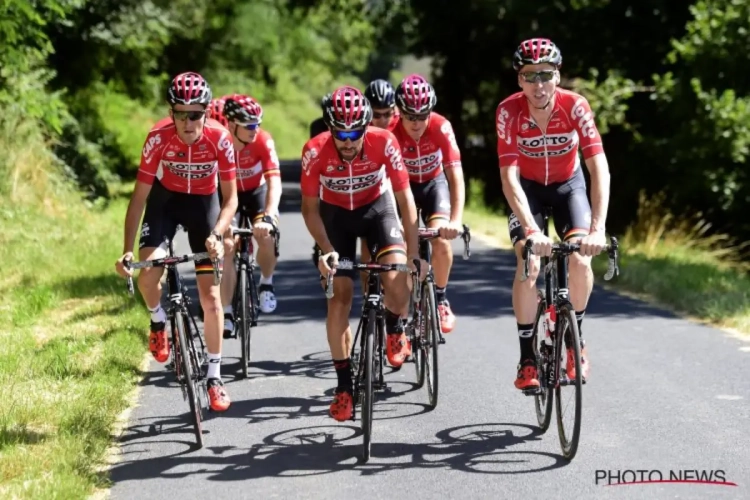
(368, 375)
(188, 374)
(568, 328)
(244, 321)
(544, 397)
(431, 342)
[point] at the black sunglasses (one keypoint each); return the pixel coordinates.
(193, 116)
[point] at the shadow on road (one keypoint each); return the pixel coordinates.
(483, 449)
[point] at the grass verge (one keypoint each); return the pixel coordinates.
(71, 343)
(667, 261)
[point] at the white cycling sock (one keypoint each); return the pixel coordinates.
(158, 315)
(266, 281)
(214, 366)
(228, 309)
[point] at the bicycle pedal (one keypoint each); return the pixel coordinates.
(442, 340)
(536, 391)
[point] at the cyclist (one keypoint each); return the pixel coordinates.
(177, 184)
(433, 160)
(539, 132)
(382, 98)
(258, 196)
(343, 198)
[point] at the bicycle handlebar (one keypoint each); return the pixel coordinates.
(432, 233)
(373, 267)
(249, 232)
(166, 261)
(567, 248)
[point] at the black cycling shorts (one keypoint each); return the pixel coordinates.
(376, 223)
(570, 207)
(252, 204)
(165, 209)
(433, 197)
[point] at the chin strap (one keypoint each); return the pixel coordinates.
(234, 133)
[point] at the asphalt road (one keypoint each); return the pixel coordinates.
(665, 394)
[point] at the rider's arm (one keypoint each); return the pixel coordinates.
(150, 157)
(596, 162)
(453, 170)
(507, 153)
(310, 186)
(272, 174)
(394, 167)
(600, 179)
(227, 184)
(134, 213)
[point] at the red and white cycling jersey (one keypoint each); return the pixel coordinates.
(354, 184)
(257, 162)
(187, 169)
(552, 156)
(437, 147)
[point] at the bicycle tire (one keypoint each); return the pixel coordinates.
(566, 317)
(417, 338)
(244, 321)
(432, 341)
(367, 402)
(187, 370)
(542, 401)
(254, 298)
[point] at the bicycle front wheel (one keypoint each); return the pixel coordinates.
(188, 374)
(368, 376)
(244, 321)
(544, 397)
(431, 342)
(569, 432)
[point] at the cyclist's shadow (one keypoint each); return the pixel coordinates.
(326, 449)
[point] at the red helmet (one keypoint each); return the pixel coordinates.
(189, 88)
(348, 109)
(216, 111)
(415, 95)
(242, 109)
(537, 51)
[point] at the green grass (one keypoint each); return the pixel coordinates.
(71, 341)
(666, 261)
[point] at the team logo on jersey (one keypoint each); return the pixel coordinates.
(149, 146)
(181, 154)
(341, 168)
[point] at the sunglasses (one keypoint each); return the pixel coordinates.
(249, 126)
(343, 135)
(417, 118)
(387, 114)
(538, 76)
(193, 116)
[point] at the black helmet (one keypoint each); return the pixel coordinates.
(324, 102)
(381, 94)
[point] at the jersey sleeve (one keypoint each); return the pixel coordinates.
(310, 179)
(507, 147)
(449, 146)
(394, 164)
(583, 120)
(271, 167)
(225, 156)
(155, 142)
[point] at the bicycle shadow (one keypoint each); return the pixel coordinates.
(327, 449)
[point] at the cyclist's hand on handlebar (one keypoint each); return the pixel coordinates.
(214, 247)
(262, 229)
(451, 230)
(541, 244)
(593, 244)
(120, 265)
(423, 267)
(323, 264)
